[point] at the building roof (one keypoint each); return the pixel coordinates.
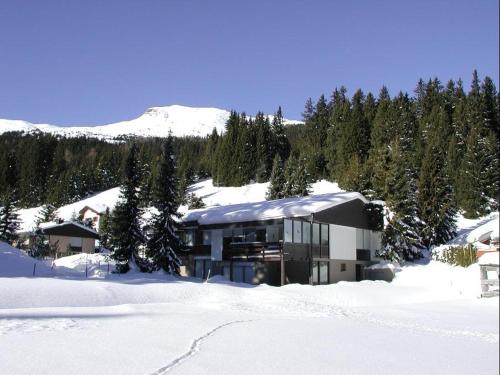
(267, 210)
(96, 207)
(70, 229)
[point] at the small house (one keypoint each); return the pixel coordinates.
(92, 214)
(70, 238)
(319, 239)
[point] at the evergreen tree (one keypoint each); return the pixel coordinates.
(400, 238)
(9, 219)
(164, 244)
(435, 193)
(194, 202)
(280, 143)
(105, 229)
(277, 182)
(339, 117)
(126, 234)
(470, 194)
(296, 178)
(47, 214)
(264, 146)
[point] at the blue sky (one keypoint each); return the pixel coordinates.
(71, 62)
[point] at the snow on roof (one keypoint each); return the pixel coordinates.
(266, 210)
(46, 226)
(484, 232)
(492, 257)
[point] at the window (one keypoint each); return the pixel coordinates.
(315, 234)
(202, 267)
(315, 273)
(323, 273)
(261, 234)
(343, 267)
(288, 230)
(206, 269)
(198, 268)
(362, 239)
(75, 241)
(187, 237)
(325, 249)
(238, 235)
(306, 232)
(238, 274)
(249, 235)
(226, 272)
(207, 237)
(248, 274)
(273, 233)
(297, 231)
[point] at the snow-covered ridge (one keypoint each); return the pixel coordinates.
(154, 122)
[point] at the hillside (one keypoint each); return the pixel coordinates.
(154, 122)
(210, 194)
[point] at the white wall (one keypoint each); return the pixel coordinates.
(342, 242)
(216, 244)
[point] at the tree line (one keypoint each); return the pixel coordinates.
(427, 156)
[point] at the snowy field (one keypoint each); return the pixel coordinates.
(77, 318)
(427, 321)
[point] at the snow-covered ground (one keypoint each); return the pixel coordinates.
(428, 320)
(154, 122)
(76, 317)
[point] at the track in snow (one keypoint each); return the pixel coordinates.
(194, 348)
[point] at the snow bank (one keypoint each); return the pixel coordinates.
(88, 265)
(15, 263)
(490, 258)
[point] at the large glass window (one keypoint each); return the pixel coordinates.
(187, 237)
(288, 230)
(198, 268)
(306, 232)
(249, 235)
(207, 237)
(238, 235)
(260, 234)
(206, 269)
(297, 231)
(238, 274)
(325, 250)
(273, 233)
(323, 273)
(315, 234)
(315, 273)
(248, 274)
(228, 234)
(324, 235)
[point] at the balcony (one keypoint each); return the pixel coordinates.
(249, 251)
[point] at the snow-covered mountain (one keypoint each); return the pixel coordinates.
(155, 122)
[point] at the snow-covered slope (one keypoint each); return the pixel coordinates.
(14, 263)
(155, 122)
(210, 194)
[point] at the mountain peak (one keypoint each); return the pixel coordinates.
(154, 122)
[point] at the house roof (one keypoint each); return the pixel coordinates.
(97, 208)
(267, 210)
(70, 229)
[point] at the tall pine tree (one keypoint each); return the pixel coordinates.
(164, 244)
(9, 219)
(126, 233)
